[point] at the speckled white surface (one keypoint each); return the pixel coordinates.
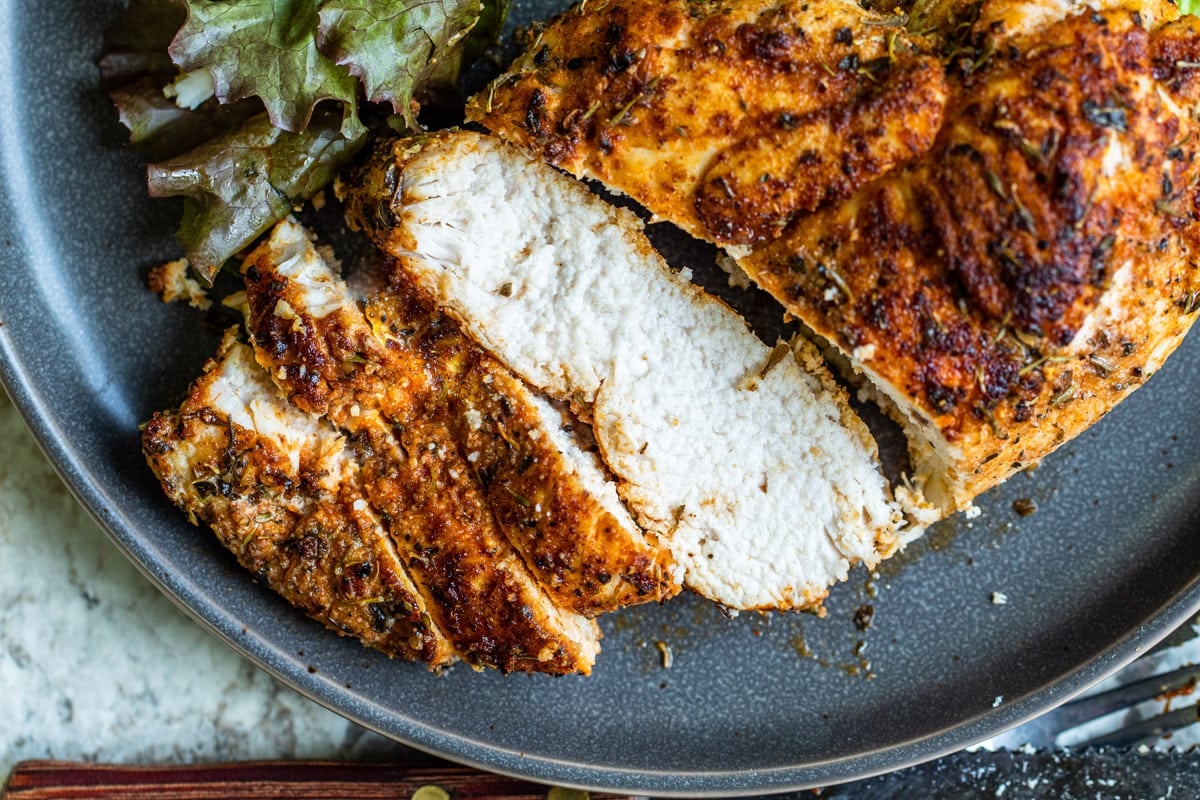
(96, 664)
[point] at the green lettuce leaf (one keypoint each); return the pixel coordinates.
(135, 69)
(136, 46)
(487, 31)
(398, 48)
(266, 49)
(237, 186)
(160, 129)
(1189, 6)
(271, 89)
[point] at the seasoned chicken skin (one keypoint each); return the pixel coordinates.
(727, 117)
(1038, 264)
(1021, 263)
(283, 492)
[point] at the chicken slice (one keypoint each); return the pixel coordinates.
(477, 587)
(748, 462)
(1009, 288)
(727, 117)
(542, 475)
(283, 493)
(403, 378)
(968, 33)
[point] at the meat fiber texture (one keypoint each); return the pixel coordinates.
(747, 460)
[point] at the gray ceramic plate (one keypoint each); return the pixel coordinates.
(1106, 566)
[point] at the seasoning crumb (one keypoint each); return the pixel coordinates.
(999, 699)
(972, 512)
(664, 651)
(170, 282)
(999, 599)
(863, 352)
(864, 615)
(1024, 506)
(736, 277)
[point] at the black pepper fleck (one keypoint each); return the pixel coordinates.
(863, 616)
(1024, 506)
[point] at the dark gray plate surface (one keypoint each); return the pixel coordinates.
(1106, 566)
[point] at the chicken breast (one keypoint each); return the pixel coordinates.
(380, 471)
(408, 388)
(1037, 265)
(283, 492)
(727, 117)
(1012, 271)
(286, 494)
(747, 460)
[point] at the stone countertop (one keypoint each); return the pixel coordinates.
(98, 665)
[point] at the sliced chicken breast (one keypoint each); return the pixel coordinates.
(747, 461)
(283, 492)
(402, 378)
(1020, 256)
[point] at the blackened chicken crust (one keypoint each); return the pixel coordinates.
(727, 118)
(1037, 265)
